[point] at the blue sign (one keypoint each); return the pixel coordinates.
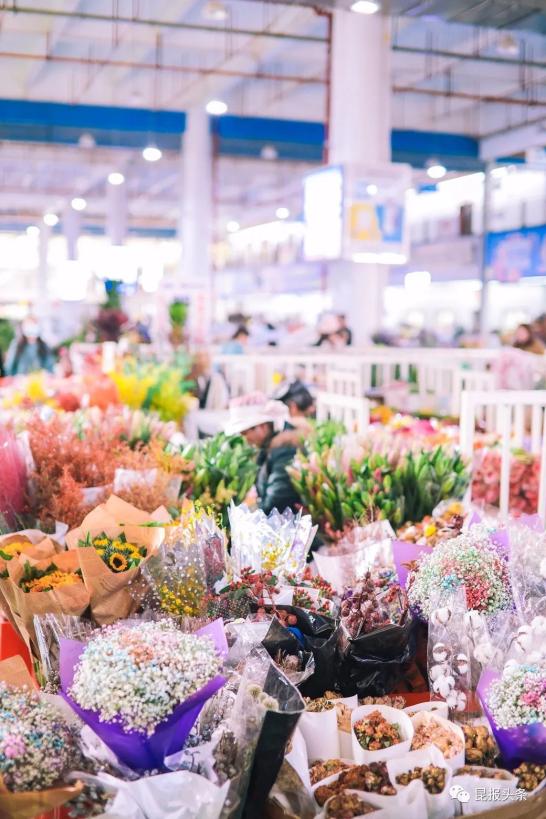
(514, 254)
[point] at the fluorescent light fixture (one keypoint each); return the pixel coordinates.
(33, 230)
(365, 7)
(372, 189)
(116, 178)
(216, 107)
(269, 152)
(232, 226)
(214, 10)
(417, 280)
(151, 153)
(382, 257)
(435, 170)
(79, 203)
(282, 213)
(51, 219)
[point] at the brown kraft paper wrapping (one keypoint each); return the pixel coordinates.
(72, 600)
(112, 597)
(39, 546)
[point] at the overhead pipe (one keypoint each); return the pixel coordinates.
(169, 24)
(181, 69)
(463, 95)
(469, 57)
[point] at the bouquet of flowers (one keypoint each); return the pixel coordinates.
(51, 585)
(277, 542)
(524, 477)
(111, 544)
(224, 470)
(12, 478)
(160, 387)
(470, 560)
(358, 549)
(360, 479)
(514, 701)
(141, 685)
(37, 747)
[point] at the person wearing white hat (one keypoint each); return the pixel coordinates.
(264, 425)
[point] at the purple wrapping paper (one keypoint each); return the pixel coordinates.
(532, 521)
(138, 751)
(403, 552)
(499, 537)
(524, 743)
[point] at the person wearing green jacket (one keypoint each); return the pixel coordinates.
(264, 426)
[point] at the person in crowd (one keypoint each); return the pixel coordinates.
(344, 330)
(29, 353)
(526, 339)
(300, 403)
(539, 327)
(211, 388)
(328, 330)
(265, 426)
(237, 343)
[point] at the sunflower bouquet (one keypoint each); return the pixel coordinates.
(49, 578)
(117, 552)
(34, 587)
(113, 543)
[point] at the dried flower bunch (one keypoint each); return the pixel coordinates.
(374, 732)
(432, 776)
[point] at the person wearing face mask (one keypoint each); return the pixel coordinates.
(28, 353)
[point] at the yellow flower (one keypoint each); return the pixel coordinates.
(117, 562)
(429, 530)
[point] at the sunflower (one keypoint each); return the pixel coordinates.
(117, 562)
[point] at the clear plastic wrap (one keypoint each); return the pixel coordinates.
(361, 549)
(527, 568)
(49, 630)
(276, 542)
(449, 653)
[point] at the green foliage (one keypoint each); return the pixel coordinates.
(7, 334)
(225, 469)
(178, 313)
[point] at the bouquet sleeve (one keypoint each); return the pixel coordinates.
(138, 751)
(28, 804)
(24, 606)
(37, 546)
(110, 593)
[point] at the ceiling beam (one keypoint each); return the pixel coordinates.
(163, 24)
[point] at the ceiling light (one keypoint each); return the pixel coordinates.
(365, 7)
(116, 178)
(86, 141)
(214, 10)
(151, 153)
(269, 152)
(435, 170)
(232, 226)
(282, 213)
(51, 219)
(79, 203)
(371, 190)
(33, 230)
(507, 45)
(216, 107)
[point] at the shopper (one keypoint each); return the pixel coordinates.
(211, 388)
(29, 353)
(237, 343)
(525, 339)
(276, 449)
(344, 330)
(300, 403)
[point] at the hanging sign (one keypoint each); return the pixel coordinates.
(357, 213)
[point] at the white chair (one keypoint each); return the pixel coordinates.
(353, 411)
(511, 414)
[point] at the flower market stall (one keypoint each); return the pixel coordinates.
(168, 649)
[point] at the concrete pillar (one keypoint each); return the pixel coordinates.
(359, 133)
(116, 217)
(196, 224)
(71, 230)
